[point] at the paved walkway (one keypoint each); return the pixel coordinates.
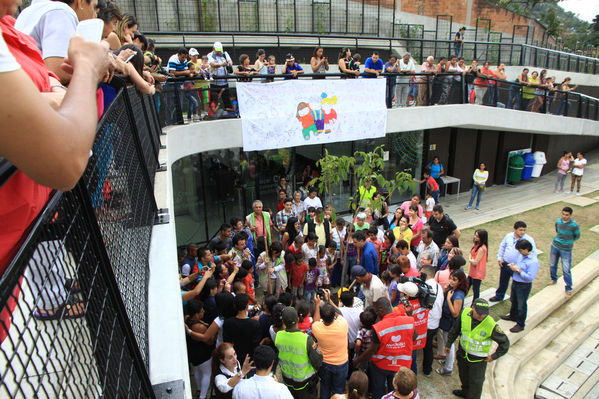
(500, 201)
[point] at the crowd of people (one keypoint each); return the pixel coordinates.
(277, 279)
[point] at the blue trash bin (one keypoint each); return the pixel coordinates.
(529, 163)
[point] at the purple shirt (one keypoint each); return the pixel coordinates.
(311, 279)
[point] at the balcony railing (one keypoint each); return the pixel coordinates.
(88, 250)
(441, 89)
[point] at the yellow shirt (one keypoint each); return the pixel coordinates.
(332, 340)
(407, 235)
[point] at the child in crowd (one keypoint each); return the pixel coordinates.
(403, 248)
(238, 288)
(296, 246)
(371, 235)
(404, 385)
(403, 267)
(311, 280)
(310, 247)
(271, 69)
(430, 203)
(298, 276)
(289, 259)
(364, 337)
(391, 284)
(234, 105)
(304, 318)
(311, 213)
(386, 248)
(323, 268)
(248, 280)
(354, 64)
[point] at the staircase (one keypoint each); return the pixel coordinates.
(560, 337)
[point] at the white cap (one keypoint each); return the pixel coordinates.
(193, 52)
(218, 46)
(361, 215)
(408, 288)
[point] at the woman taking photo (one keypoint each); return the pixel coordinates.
(226, 371)
(319, 63)
(452, 308)
(480, 178)
(478, 261)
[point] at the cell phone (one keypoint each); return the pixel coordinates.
(129, 59)
(91, 29)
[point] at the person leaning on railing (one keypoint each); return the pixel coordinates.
(49, 147)
(528, 91)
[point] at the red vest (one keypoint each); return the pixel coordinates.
(395, 335)
(420, 315)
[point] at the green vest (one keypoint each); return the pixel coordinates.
(293, 355)
(476, 342)
(266, 219)
(366, 196)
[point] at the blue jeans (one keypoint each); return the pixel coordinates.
(390, 94)
(457, 49)
(435, 195)
(520, 292)
(514, 97)
(492, 95)
(504, 280)
(563, 104)
(192, 103)
(413, 92)
(309, 295)
(475, 284)
(332, 379)
(379, 379)
(476, 192)
(566, 265)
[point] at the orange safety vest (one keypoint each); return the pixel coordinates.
(420, 315)
(395, 335)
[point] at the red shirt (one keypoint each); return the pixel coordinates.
(297, 274)
(431, 184)
(413, 272)
(249, 284)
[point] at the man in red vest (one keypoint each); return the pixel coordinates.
(391, 347)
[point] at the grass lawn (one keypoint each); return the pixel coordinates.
(540, 224)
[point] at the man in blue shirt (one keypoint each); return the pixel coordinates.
(525, 270)
(177, 64)
(509, 254)
(369, 259)
(567, 231)
(373, 66)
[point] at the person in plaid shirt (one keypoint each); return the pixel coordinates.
(297, 206)
(284, 215)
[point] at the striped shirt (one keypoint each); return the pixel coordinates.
(480, 177)
(567, 233)
(175, 65)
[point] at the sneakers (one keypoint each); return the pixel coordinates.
(468, 207)
(578, 193)
(568, 192)
(569, 294)
(444, 372)
(517, 328)
(477, 208)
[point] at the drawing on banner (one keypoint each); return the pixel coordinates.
(320, 117)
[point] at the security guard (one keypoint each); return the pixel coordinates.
(477, 330)
(299, 357)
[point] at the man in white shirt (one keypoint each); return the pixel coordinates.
(434, 316)
(406, 67)
(312, 201)
(404, 249)
(372, 286)
(351, 314)
(262, 385)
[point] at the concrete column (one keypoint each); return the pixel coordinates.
(469, 14)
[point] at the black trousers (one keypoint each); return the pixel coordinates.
(472, 375)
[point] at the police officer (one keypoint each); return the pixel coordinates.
(477, 330)
(299, 357)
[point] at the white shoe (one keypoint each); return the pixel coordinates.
(578, 193)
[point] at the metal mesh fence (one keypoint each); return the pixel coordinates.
(74, 298)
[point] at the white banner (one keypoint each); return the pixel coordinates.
(304, 112)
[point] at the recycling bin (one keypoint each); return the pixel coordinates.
(529, 162)
(540, 160)
(516, 165)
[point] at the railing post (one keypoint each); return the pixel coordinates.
(579, 111)
(567, 104)
(559, 64)
(568, 68)
(521, 55)
(178, 105)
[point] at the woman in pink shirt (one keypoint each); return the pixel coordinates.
(478, 261)
(456, 262)
(416, 225)
(563, 165)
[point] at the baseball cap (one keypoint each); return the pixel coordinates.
(289, 57)
(289, 316)
(193, 52)
(358, 271)
(481, 306)
(408, 288)
(218, 46)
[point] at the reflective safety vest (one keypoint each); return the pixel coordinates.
(420, 315)
(366, 196)
(293, 356)
(395, 335)
(476, 342)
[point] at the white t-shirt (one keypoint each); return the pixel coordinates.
(405, 67)
(579, 162)
(314, 202)
(259, 387)
(337, 236)
(412, 259)
(352, 316)
(309, 253)
(51, 24)
(430, 203)
(435, 314)
(7, 61)
(376, 290)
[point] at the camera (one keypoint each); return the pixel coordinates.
(320, 293)
(426, 295)
(253, 310)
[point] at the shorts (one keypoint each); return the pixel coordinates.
(204, 92)
(297, 292)
(323, 280)
(428, 214)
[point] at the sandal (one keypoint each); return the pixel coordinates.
(68, 310)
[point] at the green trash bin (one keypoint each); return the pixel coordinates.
(516, 165)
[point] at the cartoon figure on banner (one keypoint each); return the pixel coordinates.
(330, 115)
(319, 117)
